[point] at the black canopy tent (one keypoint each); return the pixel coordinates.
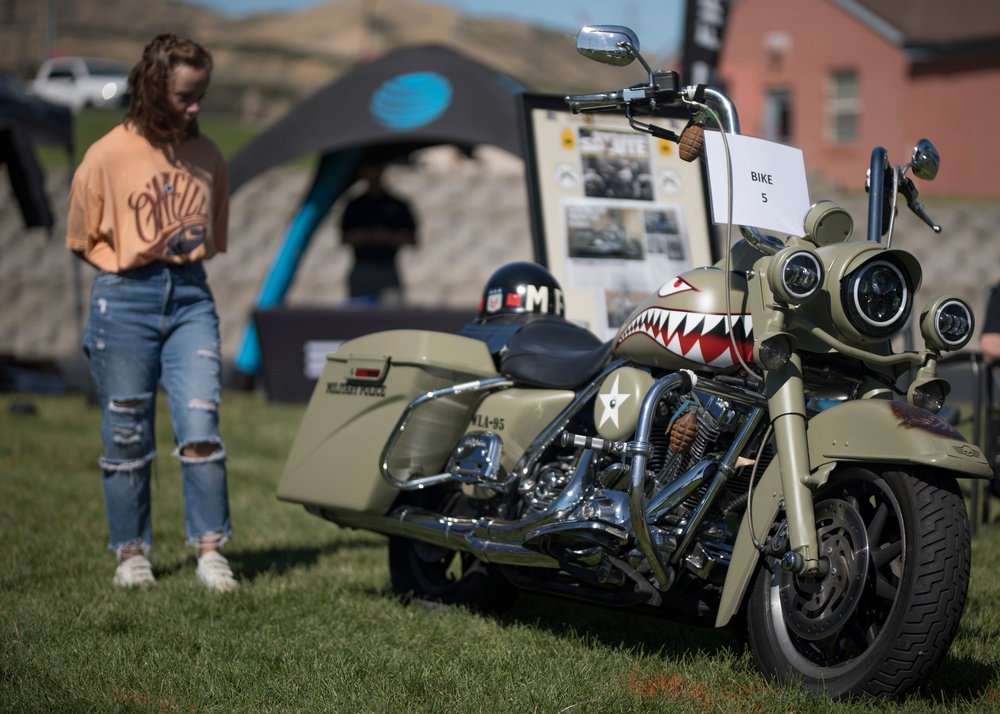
(412, 98)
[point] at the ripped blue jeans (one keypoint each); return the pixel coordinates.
(149, 326)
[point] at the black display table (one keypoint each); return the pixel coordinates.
(294, 342)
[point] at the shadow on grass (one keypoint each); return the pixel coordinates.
(620, 629)
(251, 564)
(958, 679)
(279, 561)
(962, 678)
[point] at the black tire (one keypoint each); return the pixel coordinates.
(431, 573)
(428, 573)
(887, 612)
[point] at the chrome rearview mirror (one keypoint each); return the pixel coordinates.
(609, 44)
(926, 160)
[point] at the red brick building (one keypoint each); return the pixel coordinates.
(839, 77)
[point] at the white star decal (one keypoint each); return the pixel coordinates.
(611, 403)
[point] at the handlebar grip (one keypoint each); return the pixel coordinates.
(593, 102)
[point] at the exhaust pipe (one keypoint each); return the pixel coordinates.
(490, 540)
(461, 534)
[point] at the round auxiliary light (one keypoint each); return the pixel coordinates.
(947, 324)
(795, 275)
(877, 298)
(928, 395)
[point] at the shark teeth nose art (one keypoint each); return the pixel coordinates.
(698, 337)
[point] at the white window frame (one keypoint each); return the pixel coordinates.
(841, 105)
(778, 100)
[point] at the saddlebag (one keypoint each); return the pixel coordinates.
(363, 390)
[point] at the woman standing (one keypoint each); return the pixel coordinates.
(148, 204)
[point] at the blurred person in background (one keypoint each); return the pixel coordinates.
(989, 340)
(149, 203)
(989, 347)
(376, 225)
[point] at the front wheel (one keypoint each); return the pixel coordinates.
(888, 607)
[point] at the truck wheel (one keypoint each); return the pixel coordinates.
(887, 610)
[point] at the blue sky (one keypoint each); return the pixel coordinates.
(659, 23)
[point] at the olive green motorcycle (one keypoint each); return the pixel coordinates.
(740, 454)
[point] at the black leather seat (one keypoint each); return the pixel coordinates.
(554, 353)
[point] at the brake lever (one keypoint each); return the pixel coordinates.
(909, 191)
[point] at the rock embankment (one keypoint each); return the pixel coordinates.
(473, 217)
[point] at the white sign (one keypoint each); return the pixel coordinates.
(770, 190)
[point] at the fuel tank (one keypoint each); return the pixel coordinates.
(684, 324)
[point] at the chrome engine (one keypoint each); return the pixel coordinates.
(689, 438)
(686, 501)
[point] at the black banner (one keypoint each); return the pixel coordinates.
(704, 30)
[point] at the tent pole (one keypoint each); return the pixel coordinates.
(332, 178)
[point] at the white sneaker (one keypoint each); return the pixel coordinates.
(214, 572)
(134, 572)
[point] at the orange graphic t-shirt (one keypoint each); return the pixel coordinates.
(131, 204)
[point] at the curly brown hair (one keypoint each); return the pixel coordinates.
(149, 83)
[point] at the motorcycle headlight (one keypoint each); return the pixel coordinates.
(877, 298)
(795, 275)
(947, 323)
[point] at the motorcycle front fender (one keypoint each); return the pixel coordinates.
(865, 431)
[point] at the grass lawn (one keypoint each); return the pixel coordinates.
(315, 626)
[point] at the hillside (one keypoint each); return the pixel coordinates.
(266, 62)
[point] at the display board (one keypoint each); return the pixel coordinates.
(615, 213)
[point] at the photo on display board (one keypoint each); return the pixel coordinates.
(615, 213)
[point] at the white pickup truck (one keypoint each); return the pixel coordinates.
(79, 82)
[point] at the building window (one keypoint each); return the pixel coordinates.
(843, 107)
(778, 115)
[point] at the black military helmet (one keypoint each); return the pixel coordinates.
(522, 288)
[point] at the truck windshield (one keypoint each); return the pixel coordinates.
(103, 67)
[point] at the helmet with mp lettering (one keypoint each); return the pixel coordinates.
(522, 289)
